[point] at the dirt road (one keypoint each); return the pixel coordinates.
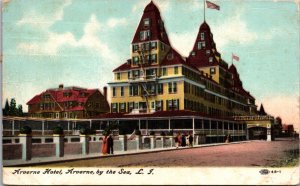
(254, 153)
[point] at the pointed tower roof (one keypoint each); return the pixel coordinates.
(262, 111)
(204, 52)
(155, 26)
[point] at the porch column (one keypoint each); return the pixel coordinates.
(194, 130)
(169, 124)
(269, 137)
(139, 124)
(13, 127)
(209, 126)
(43, 127)
(90, 123)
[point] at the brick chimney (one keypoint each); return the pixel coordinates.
(61, 86)
(105, 92)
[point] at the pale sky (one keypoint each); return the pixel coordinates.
(80, 42)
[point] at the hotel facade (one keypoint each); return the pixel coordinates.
(157, 78)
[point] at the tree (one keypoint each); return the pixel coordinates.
(6, 108)
(20, 110)
(12, 107)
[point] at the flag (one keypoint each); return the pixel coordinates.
(235, 57)
(212, 5)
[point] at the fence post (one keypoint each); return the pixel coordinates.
(123, 139)
(139, 142)
(152, 142)
(163, 141)
(84, 140)
(58, 139)
(26, 141)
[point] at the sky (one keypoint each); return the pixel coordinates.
(80, 42)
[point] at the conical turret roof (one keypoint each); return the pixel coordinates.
(155, 25)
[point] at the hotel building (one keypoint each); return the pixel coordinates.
(157, 78)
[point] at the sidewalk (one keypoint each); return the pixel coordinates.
(49, 160)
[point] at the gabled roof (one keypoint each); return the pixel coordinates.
(76, 94)
(157, 29)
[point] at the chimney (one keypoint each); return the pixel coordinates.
(105, 92)
(61, 86)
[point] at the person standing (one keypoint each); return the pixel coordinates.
(104, 145)
(183, 140)
(110, 144)
(191, 139)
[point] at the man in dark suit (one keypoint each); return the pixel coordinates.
(110, 144)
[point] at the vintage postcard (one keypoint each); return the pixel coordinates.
(150, 92)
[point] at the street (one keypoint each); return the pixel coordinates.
(253, 154)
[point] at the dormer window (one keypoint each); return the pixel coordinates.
(210, 59)
(146, 22)
(202, 36)
(135, 48)
(144, 35)
(82, 94)
(135, 60)
(207, 51)
(212, 70)
(193, 53)
(118, 76)
(67, 94)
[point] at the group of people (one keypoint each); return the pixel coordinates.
(107, 145)
(183, 140)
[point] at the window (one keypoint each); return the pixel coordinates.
(193, 53)
(146, 22)
(135, 48)
(199, 45)
(153, 45)
(153, 58)
(133, 90)
(144, 35)
(146, 46)
(164, 71)
(175, 70)
(135, 60)
(122, 91)
(153, 105)
(118, 76)
(129, 75)
(160, 88)
(202, 36)
(114, 107)
(122, 107)
(172, 87)
(114, 91)
(212, 70)
(207, 51)
(210, 59)
(136, 73)
(159, 105)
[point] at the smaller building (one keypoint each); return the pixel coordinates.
(68, 102)
(287, 130)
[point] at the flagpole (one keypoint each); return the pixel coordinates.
(231, 59)
(204, 9)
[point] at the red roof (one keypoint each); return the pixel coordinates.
(156, 27)
(75, 94)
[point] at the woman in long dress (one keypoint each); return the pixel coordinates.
(104, 145)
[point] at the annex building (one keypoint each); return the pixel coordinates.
(68, 103)
(159, 89)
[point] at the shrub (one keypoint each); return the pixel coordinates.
(138, 132)
(84, 131)
(25, 130)
(58, 130)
